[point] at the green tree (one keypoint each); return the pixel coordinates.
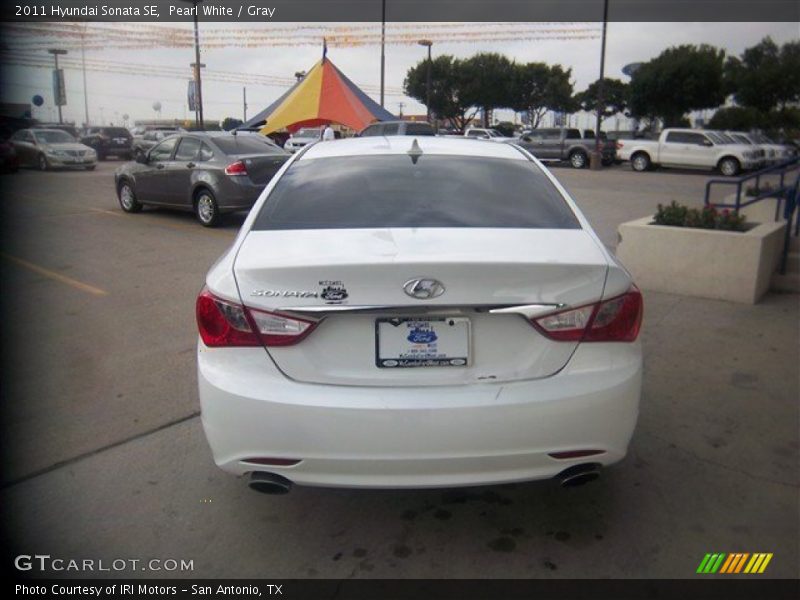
(679, 80)
(765, 77)
(447, 89)
(486, 81)
(536, 88)
(615, 98)
(229, 123)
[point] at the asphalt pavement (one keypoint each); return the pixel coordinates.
(104, 456)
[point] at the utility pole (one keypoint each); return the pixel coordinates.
(244, 104)
(383, 44)
(85, 93)
(597, 157)
(428, 43)
(401, 105)
(198, 107)
(58, 82)
(197, 80)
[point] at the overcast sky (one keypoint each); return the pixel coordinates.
(135, 95)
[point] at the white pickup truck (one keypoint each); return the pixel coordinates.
(688, 148)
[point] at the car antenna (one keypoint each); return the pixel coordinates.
(415, 152)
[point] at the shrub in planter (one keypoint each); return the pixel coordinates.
(708, 217)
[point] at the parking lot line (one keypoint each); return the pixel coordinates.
(78, 285)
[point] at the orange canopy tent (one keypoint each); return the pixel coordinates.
(325, 95)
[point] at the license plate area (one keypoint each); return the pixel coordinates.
(404, 342)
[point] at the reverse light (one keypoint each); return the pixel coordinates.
(222, 323)
(616, 320)
(237, 168)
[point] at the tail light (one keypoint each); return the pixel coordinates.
(222, 323)
(616, 320)
(237, 168)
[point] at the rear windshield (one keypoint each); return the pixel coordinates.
(391, 191)
(246, 144)
(117, 132)
(419, 129)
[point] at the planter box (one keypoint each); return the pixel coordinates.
(723, 265)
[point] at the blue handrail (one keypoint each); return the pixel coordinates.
(786, 193)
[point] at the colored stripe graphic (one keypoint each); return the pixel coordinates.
(734, 563)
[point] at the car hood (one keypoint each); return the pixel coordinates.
(68, 146)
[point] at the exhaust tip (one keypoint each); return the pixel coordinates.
(269, 483)
(579, 475)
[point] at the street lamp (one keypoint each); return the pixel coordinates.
(197, 65)
(428, 43)
(58, 82)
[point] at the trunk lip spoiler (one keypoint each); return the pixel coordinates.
(529, 311)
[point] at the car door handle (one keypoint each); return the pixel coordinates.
(190, 165)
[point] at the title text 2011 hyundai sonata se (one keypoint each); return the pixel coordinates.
(400, 312)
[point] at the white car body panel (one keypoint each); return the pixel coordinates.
(351, 424)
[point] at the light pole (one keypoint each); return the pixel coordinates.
(383, 44)
(58, 81)
(428, 43)
(197, 80)
(597, 158)
(83, 61)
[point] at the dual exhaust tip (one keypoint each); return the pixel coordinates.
(270, 483)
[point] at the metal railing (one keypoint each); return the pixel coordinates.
(786, 193)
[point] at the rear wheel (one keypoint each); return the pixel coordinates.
(127, 198)
(640, 162)
(206, 209)
(578, 159)
(43, 163)
(729, 166)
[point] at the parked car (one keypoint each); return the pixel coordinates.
(692, 149)
(207, 173)
(70, 129)
(9, 159)
(51, 149)
(485, 134)
(397, 128)
(564, 144)
(438, 313)
(773, 153)
(109, 141)
(301, 138)
(150, 138)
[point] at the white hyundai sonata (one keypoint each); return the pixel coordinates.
(400, 312)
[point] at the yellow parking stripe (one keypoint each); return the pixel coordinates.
(74, 283)
(765, 563)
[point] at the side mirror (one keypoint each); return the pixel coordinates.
(141, 157)
(527, 138)
(708, 143)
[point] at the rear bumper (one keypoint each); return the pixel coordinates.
(441, 436)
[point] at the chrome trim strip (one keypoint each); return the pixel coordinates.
(528, 311)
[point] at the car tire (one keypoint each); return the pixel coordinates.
(205, 208)
(640, 162)
(729, 166)
(42, 163)
(578, 159)
(127, 198)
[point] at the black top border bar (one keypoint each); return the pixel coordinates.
(282, 11)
